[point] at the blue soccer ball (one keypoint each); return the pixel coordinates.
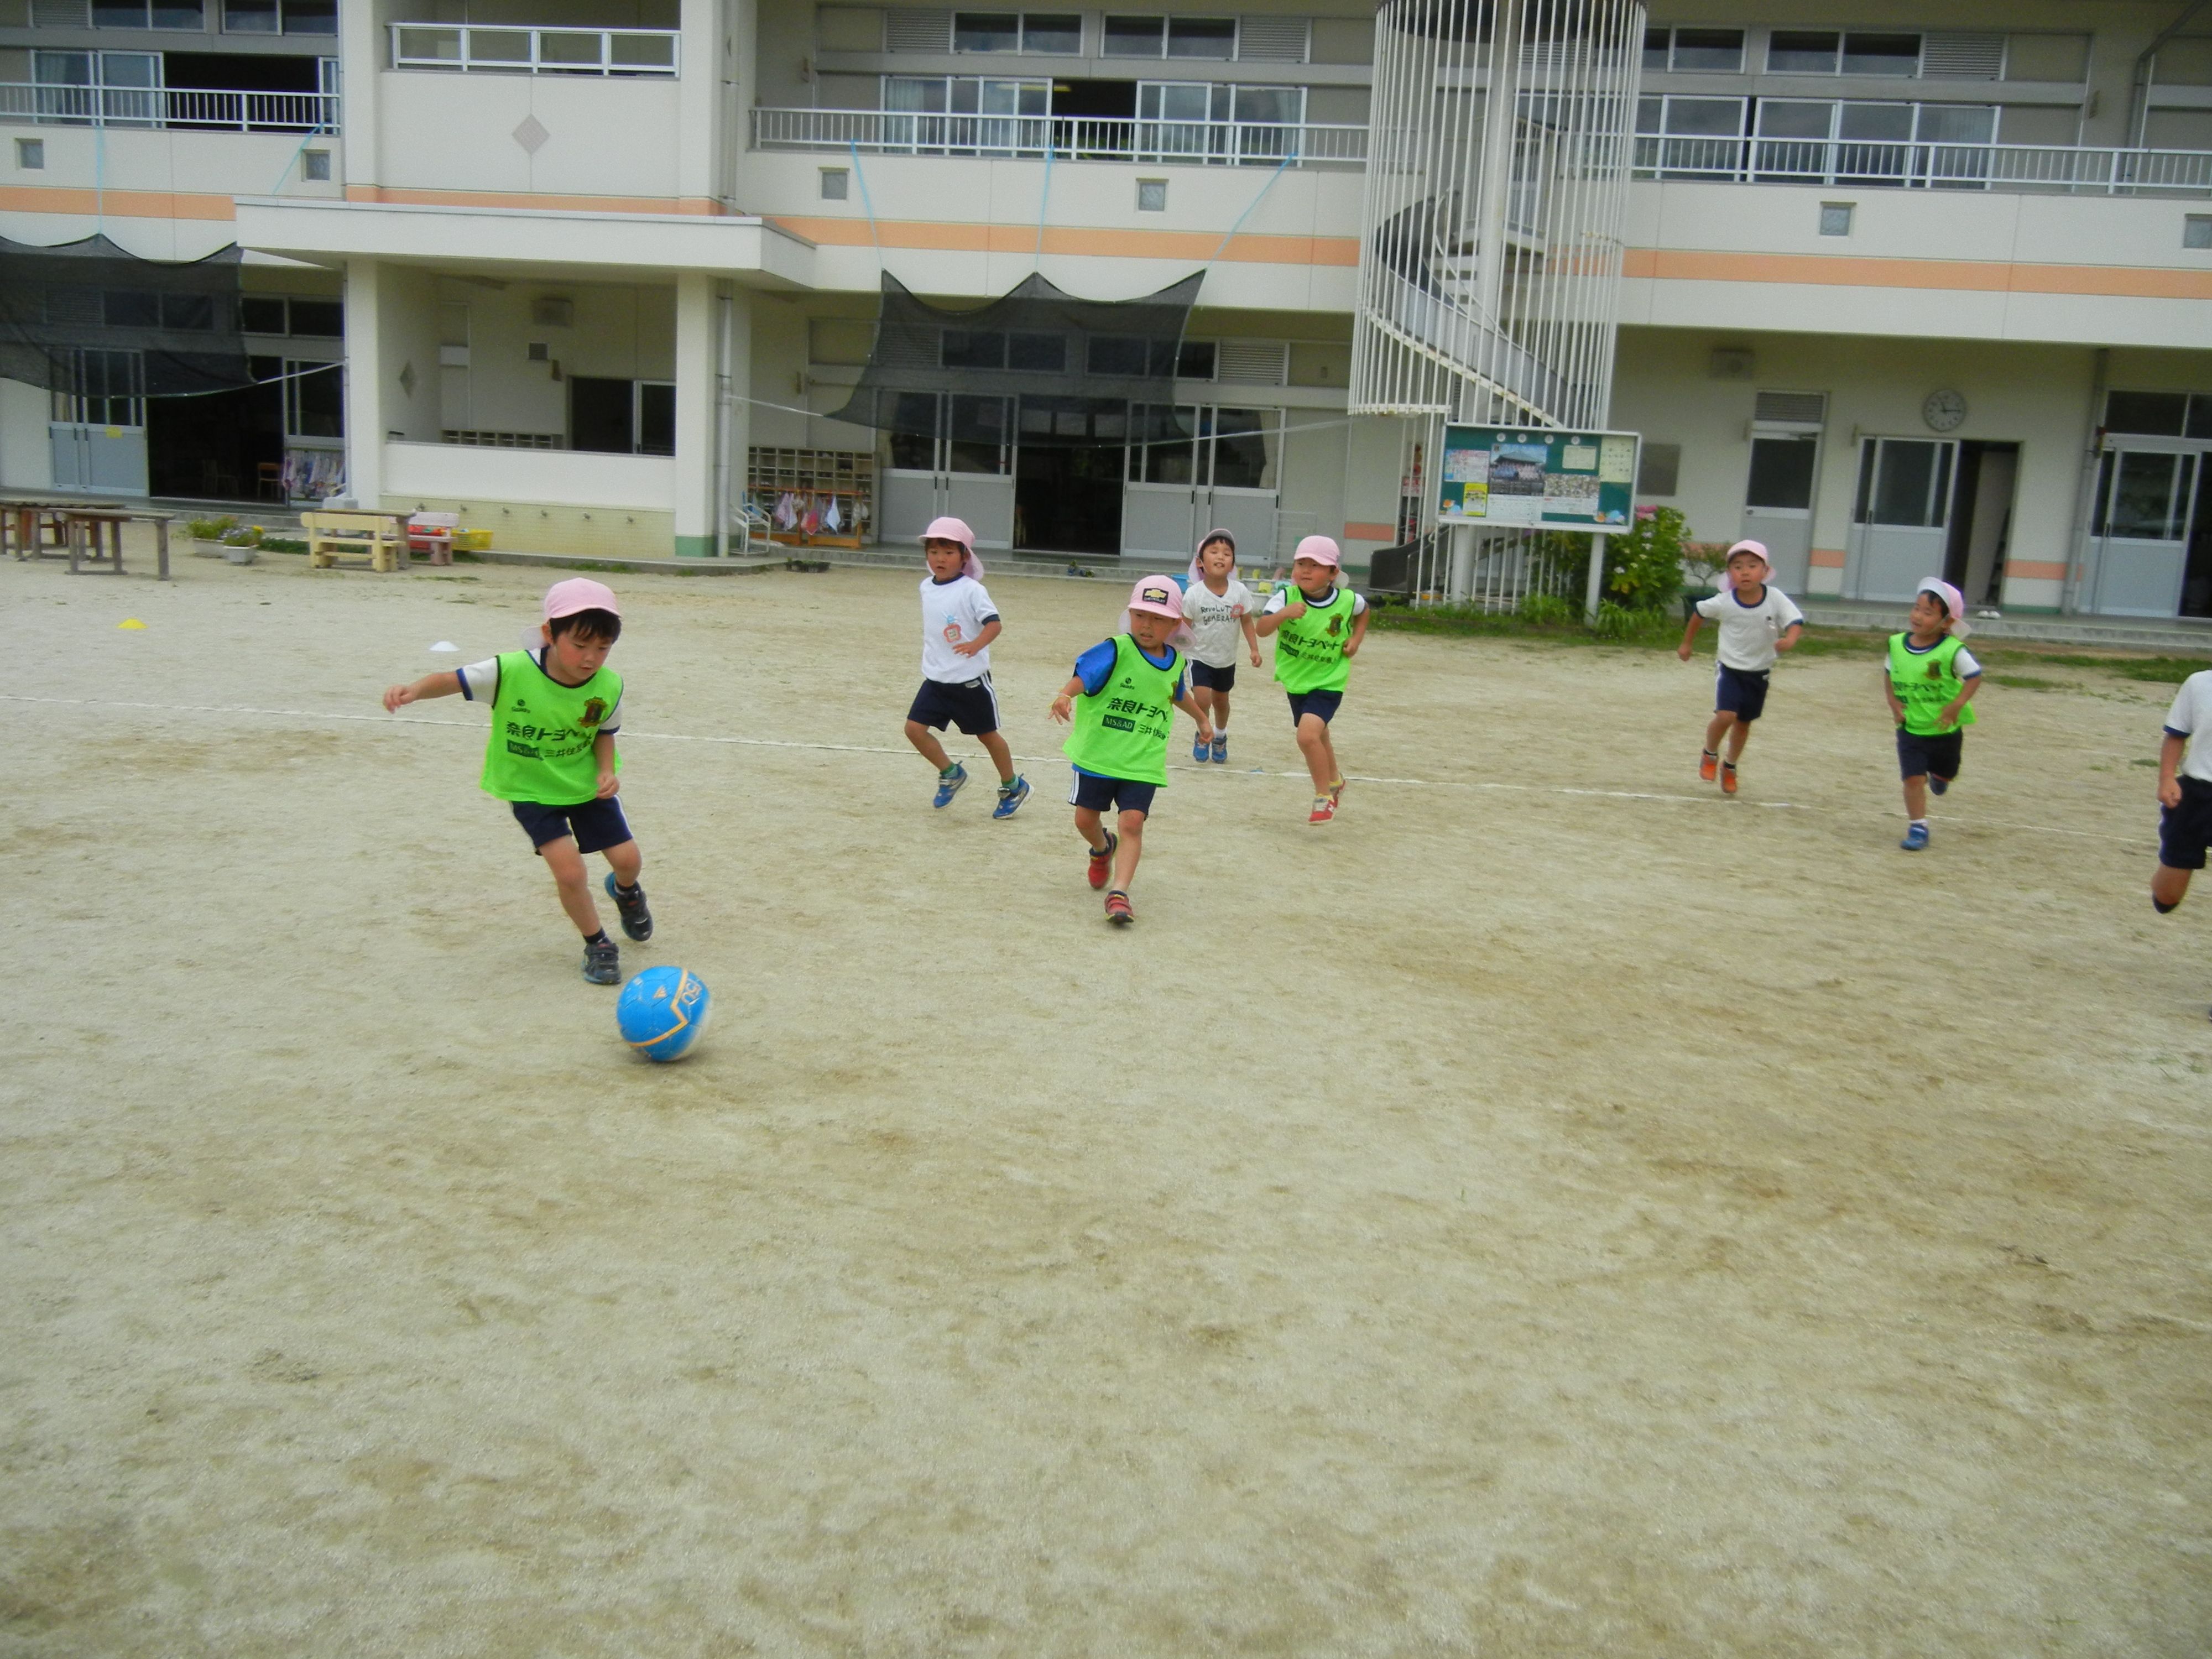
(663, 1012)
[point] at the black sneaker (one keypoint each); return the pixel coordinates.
(603, 961)
(636, 920)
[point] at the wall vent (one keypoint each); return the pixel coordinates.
(1790, 408)
(61, 14)
(907, 29)
(1273, 39)
(1252, 362)
(1962, 56)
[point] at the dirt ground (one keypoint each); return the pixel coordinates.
(1551, 1211)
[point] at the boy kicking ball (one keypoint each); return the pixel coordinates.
(551, 755)
(959, 623)
(2185, 794)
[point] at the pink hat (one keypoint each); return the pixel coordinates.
(1213, 535)
(1726, 579)
(1320, 551)
(956, 530)
(578, 593)
(1157, 596)
(1953, 601)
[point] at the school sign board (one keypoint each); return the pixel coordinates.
(1537, 476)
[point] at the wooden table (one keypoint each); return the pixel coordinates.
(85, 525)
(29, 529)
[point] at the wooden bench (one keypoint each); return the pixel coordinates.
(379, 537)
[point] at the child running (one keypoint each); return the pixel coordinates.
(551, 755)
(1757, 619)
(2184, 791)
(959, 623)
(1122, 727)
(1930, 679)
(1217, 606)
(1319, 627)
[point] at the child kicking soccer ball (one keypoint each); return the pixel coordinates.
(551, 755)
(1757, 619)
(1318, 627)
(1217, 607)
(959, 623)
(1930, 679)
(1126, 685)
(2185, 793)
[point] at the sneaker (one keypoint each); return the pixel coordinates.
(1727, 777)
(636, 920)
(1102, 864)
(1709, 765)
(603, 961)
(1200, 750)
(1916, 837)
(1011, 797)
(1936, 786)
(1117, 909)
(1324, 809)
(1336, 792)
(1221, 750)
(948, 785)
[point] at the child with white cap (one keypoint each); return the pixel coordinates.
(2185, 793)
(1119, 743)
(959, 623)
(1217, 607)
(1318, 627)
(1757, 619)
(1929, 680)
(550, 754)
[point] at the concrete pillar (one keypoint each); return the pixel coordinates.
(362, 48)
(737, 436)
(697, 356)
(364, 382)
(699, 103)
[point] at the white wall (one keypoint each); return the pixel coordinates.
(621, 331)
(554, 477)
(27, 451)
(451, 134)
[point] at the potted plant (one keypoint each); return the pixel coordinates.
(207, 533)
(240, 543)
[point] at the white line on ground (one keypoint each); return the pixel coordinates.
(1705, 801)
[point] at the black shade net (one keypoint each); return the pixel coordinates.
(87, 317)
(1036, 361)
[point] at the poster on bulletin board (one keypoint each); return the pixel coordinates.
(1538, 477)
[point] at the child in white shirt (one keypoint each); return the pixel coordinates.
(959, 623)
(1757, 619)
(2184, 791)
(1216, 605)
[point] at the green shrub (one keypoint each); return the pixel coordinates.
(210, 530)
(1548, 611)
(282, 544)
(1643, 568)
(244, 535)
(1616, 621)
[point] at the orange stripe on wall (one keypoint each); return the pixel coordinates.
(1826, 558)
(701, 206)
(1369, 533)
(941, 237)
(1960, 275)
(123, 204)
(2036, 570)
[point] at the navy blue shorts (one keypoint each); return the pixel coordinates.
(1214, 679)
(972, 706)
(2184, 831)
(1740, 692)
(1936, 755)
(1108, 794)
(596, 824)
(1322, 705)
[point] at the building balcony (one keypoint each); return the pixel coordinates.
(1035, 137)
(534, 50)
(169, 108)
(1858, 164)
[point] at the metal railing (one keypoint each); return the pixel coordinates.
(173, 108)
(534, 51)
(1081, 138)
(1869, 164)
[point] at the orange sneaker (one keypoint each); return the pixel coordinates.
(1324, 809)
(1727, 777)
(1708, 764)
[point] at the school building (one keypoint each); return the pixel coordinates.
(1894, 287)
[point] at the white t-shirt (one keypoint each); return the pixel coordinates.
(1281, 597)
(2188, 718)
(1749, 631)
(953, 612)
(1215, 622)
(480, 683)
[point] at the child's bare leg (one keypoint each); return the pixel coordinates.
(1220, 709)
(625, 861)
(994, 745)
(925, 740)
(1716, 729)
(1207, 698)
(1087, 826)
(1321, 759)
(1916, 797)
(566, 865)
(2167, 886)
(1737, 737)
(1130, 826)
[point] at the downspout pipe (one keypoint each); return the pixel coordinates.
(722, 425)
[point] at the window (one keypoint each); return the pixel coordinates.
(2195, 227)
(1711, 52)
(1051, 35)
(1659, 470)
(1037, 354)
(280, 17)
(2144, 496)
(1835, 218)
(987, 31)
(835, 181)
(1195, 360)
(621, 417)
(1171, 37)
(1136, 37)
(1823, 51)
(148, 15)
(1153, 196)
(317, 320)
(962, 114)
(2153, 414)
(1689, 138)
(260, 313)
(31, 156)
(1803, 51)
(961, 347)
(1881, 54)
(315, 164)
(314, 400)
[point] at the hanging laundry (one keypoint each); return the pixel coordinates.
(814, 521)
(832, 520)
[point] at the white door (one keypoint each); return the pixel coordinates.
(1778, 503)
(2141, 532)
(1901, 522)
(98, 431)
(1159, 503)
